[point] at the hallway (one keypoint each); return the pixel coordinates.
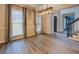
(42, 44)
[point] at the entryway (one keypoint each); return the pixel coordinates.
(69, 17)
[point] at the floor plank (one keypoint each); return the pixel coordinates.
(42, 44)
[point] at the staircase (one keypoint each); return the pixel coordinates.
(73, 30)
(74, 37)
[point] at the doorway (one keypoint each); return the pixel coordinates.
(55, 23)
(69, 17)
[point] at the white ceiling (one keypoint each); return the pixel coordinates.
(39, 7)
(33, 6)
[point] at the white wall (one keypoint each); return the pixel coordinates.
(59, 15)
(74, 10)
(52, 23)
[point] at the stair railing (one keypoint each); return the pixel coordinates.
(72, 27)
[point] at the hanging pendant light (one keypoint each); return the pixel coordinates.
(47, 10)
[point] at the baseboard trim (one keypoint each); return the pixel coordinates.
(2, 42)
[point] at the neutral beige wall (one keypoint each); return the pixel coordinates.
(46, 24)
(30, 23)
(2, 22)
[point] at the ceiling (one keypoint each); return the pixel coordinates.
(33, 6)
(39, 7)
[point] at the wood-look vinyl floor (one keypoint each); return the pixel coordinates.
(41, 44)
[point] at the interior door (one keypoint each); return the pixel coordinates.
(55, 23)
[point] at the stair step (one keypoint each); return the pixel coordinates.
(77, 33)
(71, 38)
(74, 38)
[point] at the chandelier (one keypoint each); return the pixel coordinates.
(48, 10)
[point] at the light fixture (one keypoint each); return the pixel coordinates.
(48, 10)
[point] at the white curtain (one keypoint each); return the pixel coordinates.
(16, 21)
(38, 23)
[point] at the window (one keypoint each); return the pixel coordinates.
(16, 22)
(38, 23)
